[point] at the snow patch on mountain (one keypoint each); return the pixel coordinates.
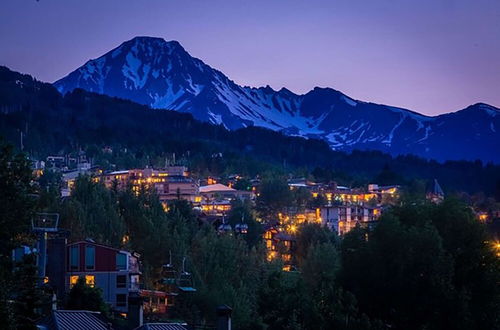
(390, 136)
(350, 101)
(163, 75)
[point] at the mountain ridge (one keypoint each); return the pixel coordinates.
(163, 75)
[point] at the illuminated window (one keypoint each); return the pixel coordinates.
(271, 255)
(45, 280)
(90, 280)
(73, 280)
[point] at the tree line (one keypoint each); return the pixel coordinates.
(51, 123)
(424, 266)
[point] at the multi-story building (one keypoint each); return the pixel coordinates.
(374, 195)
(343, 218)
(216, 198)
(115, 272)
(170, 183)
(280, 244)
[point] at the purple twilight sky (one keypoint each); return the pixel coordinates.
(431, 56)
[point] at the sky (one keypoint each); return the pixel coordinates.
(430, 56)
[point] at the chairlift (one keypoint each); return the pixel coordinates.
(242, 227)
(224, 227)
(169, 273)
(185, 280)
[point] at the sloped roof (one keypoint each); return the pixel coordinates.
(75, 320)
(162, 326)
(215, 187)
(435, 188)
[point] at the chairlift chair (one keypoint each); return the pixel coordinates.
(185, 280)
(169, 273)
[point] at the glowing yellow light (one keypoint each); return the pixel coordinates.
(271, 255)
(269, 244)
(90, 280)
(73, 280)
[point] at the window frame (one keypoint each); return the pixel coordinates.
(90, 280)
(118, 266)
(87, 248)
(74, 258)
(121, 303)
(120, 284)
(73, 280)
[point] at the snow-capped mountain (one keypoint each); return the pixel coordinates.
(163, 75)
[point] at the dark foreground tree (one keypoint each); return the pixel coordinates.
(425, 266)
(85, 297)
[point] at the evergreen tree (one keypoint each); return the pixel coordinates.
(84, 297)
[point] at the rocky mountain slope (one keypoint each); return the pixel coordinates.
(162, 74)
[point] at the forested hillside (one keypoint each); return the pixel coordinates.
(54, 124)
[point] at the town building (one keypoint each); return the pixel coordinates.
(216, 198)
(343, 218)
(280, 244)
(170, 183)
(116, 272)
(434, 193)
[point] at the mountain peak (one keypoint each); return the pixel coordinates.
(161, 74)
(146, 39)
(154, 42)
(480, 108)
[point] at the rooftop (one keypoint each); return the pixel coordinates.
(74, 320)
(215, 187)
(162, 326)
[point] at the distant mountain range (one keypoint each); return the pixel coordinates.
(163, 75)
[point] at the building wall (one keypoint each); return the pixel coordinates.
(107, 282)
(105, 258)
(56, 264)
(104, 274)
